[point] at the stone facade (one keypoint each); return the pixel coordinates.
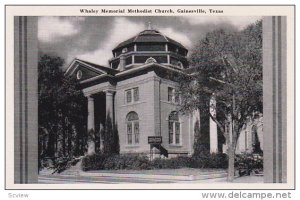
(153, 109)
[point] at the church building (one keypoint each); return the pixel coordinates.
(139, 94)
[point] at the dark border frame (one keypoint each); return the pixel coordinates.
(250, 5)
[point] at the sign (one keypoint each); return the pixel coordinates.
(154, 140)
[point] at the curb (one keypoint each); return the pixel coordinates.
(157, 177)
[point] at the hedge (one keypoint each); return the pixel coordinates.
(141, 162)
(93, 162)
(252, 161)
(133, 161)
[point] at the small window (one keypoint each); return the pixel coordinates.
(180, 64)
(128, 96)
(132, 95)
(79, 74)
(136, 94)
(173, 95)
(176, 98)
(124, 50)
(170, 94)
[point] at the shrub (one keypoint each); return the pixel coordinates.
(115, 162)
(172, 163)
(93, 162)
(136, 162)
(210, 161)
(200, 161)
(140, 162)
(249, 161)
(218, 161)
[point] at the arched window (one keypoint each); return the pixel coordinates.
(133, 130)
(174, 128)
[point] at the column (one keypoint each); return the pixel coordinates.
(249, 139)
(109, 103)
(122, 63)
(213, 132)
(213, 136)
(275, 105)
(242, 142)
(24, 145)
(91, 125)
(101, 137)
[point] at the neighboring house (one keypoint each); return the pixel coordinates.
(138, 92)
(251, 137)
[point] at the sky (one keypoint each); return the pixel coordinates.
(93, 38)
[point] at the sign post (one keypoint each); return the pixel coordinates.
(153, 140)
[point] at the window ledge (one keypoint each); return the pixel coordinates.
(132, 146)
(175, 145)
(132, 104)
(171, 102)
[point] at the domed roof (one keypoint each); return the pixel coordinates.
(149, 36)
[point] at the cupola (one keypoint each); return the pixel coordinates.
(149, 45)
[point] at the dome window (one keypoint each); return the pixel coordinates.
(124, 50)
(150, 60)
(79, 74)
(180, 64)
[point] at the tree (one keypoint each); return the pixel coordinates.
(110, 137)
(200, 144)
(62, 111)
(228, 66)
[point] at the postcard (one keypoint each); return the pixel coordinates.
(150, 97)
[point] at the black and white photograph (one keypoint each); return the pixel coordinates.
(151, 96)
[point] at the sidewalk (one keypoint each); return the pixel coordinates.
(249, 179)
(183, 174)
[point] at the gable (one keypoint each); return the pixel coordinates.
(83, 71)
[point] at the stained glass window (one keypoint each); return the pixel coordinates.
(136, 132)
(177, 132)
(133, 132)
(174, 128)
(129, 133)
(170, 132)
